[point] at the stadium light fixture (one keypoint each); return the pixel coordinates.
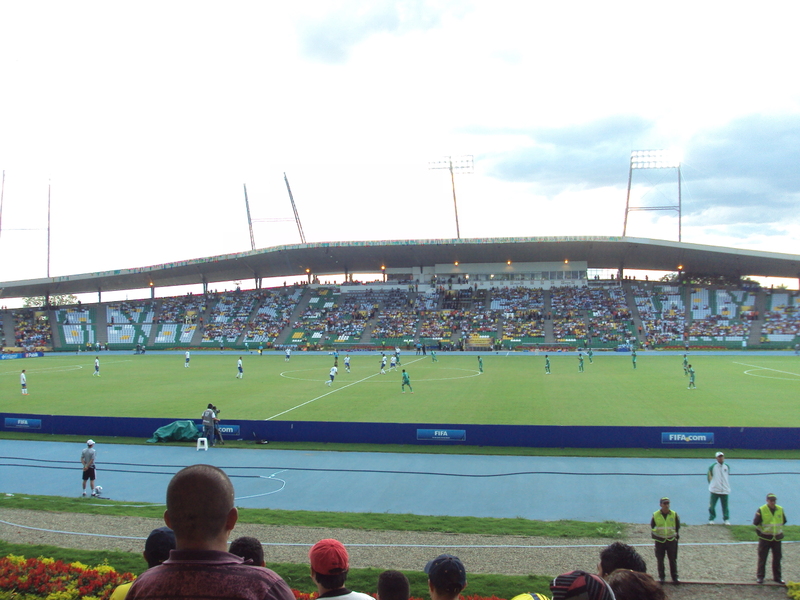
(653, 159)
(455, 164)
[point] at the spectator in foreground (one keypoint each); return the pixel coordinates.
(156, 550)
(393, 585)
(250, 549)
(200, 511)
(632, 585)
(329, 566)
(580, 585)
(447, 577)
(620, 556)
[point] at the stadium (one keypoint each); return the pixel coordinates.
(547, 382)
(516, 299)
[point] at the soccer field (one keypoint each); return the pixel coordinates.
(732, 390)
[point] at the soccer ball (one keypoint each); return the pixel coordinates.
(98, 489)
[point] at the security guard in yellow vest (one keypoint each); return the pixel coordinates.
(665, 525)
(769, 521)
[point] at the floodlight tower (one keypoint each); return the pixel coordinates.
(653, 159)
(456, 164)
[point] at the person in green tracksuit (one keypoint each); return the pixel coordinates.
(480, 364)
(433, 356)
(633, 357)
(546, 365)
(692, 386)
(406, 382)
(685, 365)
(580, 362)
(590, 354)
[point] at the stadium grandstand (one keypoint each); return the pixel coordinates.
(510, 293)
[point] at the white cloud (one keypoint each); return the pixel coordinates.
(149, 118)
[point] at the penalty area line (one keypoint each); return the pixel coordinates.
(288, 410)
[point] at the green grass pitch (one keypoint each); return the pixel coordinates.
(513, 389)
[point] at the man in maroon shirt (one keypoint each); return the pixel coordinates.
(200, 511)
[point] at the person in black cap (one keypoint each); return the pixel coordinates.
(447, 577)
(156, 551)
(664, 529)
(769, 521)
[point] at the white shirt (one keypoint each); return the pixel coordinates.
(22, 379)
(239, 363)
(187, 355)
(719, 484)
(334, 370)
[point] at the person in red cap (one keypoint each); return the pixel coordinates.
(447, 577)
(329, 566)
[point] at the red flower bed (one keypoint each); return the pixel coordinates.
(45, 576)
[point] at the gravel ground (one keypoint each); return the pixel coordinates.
(715, 568)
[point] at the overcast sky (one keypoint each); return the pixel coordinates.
(147, 118)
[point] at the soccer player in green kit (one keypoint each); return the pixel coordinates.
(590, 354)
(433, 356)
(633, 357)
(406, 382)
(685, 365)
(692, 386)
(546, 365)
(480, 364)
(580, 362)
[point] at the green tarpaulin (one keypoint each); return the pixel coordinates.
(177, 431)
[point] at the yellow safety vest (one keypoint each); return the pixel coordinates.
(665, 530)
(771, 523)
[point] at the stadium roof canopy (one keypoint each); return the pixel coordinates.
(332, 258)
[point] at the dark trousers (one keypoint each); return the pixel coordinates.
(670, 549)
(764, 546)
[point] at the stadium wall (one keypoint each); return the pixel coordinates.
(534, 436)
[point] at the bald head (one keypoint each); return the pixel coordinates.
(200, 507)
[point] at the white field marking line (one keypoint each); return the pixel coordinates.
(319, 397)
(273, 478)
(472, 373)
(47, 370)
(328, 394)
(65, 369)
(766, 369)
